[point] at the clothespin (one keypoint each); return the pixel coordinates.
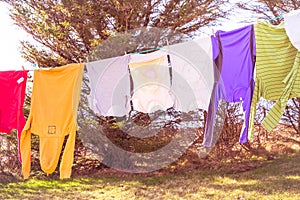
(147, 51)
(168, 45)
(213, 32)
(275, 18)
(35, 65)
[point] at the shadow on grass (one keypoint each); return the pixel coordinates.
(277, 176)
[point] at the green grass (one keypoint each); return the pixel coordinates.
(277, 179)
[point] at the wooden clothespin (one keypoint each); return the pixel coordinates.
(213, 31)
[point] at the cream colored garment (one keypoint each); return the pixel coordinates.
(192, 74)
(151, 82)
(292, 27)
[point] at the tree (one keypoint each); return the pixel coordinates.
(67, 31)
(270, 8)
(292, 114)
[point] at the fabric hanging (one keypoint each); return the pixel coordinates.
(53, 113)
(151, 82)
(292, 24)
(192, 74)
(277, 72)
(13, 85)
(109, 86)
(234, 56)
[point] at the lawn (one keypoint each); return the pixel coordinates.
(275, 179)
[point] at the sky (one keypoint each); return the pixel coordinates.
(11, 35)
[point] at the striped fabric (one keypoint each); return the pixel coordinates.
(291, 90)
(277, 77)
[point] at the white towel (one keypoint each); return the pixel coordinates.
(292, 27)
(110, 86)
(193, 74)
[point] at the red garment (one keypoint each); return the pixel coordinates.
(12, 92)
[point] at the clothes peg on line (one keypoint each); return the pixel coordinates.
(35, 65)
(213, 31)
(275, 18)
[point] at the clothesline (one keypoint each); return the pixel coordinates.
(36, 66)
